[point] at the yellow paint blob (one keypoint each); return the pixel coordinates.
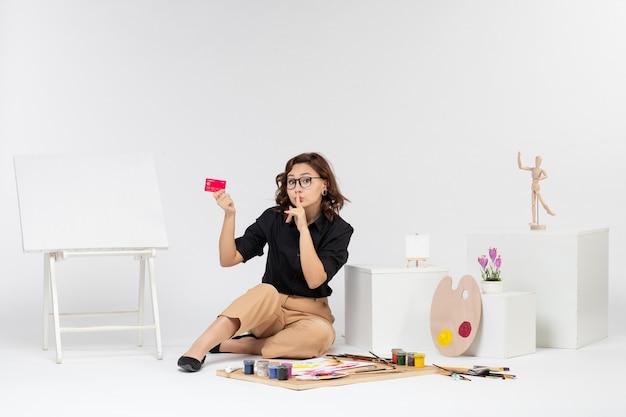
(445, 337)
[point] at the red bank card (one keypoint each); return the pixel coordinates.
(212, 185)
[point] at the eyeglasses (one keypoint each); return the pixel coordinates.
(305, 182)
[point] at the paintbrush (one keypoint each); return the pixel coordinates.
(480, 371)
(455, 375)
(381, 370)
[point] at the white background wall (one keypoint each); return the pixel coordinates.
(421, 106)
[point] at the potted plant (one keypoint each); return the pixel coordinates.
(490, 272)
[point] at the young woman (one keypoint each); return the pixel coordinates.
(287, 315)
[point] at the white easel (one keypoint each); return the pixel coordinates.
(92, 206)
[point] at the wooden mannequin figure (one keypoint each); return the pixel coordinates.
(538, 174)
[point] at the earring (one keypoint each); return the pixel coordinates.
(324, 193)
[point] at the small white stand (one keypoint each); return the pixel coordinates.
(508, 326)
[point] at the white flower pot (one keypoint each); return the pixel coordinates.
(491, 287)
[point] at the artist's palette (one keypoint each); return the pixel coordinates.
(455, 315)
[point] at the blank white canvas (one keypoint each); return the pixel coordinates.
(417, 246)
(89, 201)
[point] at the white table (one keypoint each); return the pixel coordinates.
(568, 272)
(389, 307)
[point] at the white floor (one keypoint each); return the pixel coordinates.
(123, 380)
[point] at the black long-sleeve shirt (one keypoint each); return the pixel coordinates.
(283, 269)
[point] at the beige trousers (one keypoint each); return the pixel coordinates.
(293, 326)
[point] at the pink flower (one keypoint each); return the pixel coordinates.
(482, 260)
(493, 252)
(490, 271)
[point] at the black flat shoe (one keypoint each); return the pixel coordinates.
(190, 364)
(216, 349)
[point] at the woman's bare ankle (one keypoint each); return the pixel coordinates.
(244, 345)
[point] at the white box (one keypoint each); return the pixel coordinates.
(507, 326)
(568, 272)
(389, 307)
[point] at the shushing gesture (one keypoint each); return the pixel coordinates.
(297, 214)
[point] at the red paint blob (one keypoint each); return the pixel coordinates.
(465, 329)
